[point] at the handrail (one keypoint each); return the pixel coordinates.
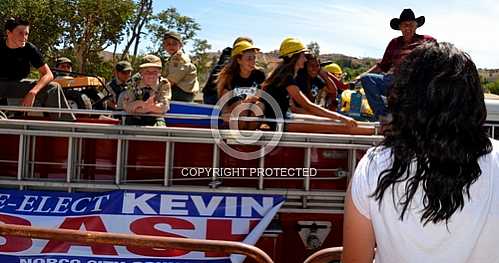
(173, 115)
(325, 255)
(136, 240)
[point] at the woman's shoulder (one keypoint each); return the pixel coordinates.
(495, 149)
(377, 158)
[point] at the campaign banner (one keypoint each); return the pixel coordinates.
(233, 217)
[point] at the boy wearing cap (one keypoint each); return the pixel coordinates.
(17, 56)
(63, 67)
(379, 78)
(121, 77)
(150, 93)
(179, 69)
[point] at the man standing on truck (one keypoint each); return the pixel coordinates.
(17, 56)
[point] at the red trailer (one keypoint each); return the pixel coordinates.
(99, 155)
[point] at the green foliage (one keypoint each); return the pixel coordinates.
(47, 19)
(201, 59)
(353, 69)
(79, 29)
(171, 20)
(492, 87)
(314, 48)
(92, 26)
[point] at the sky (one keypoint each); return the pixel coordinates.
(358, 28)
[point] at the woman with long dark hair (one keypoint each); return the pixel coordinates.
(430, 191)
(282, 86)
(242, 78)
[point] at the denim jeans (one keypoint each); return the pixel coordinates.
(375, 86)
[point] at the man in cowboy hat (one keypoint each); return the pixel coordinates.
(377, 79)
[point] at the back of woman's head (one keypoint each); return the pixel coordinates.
(438, 111)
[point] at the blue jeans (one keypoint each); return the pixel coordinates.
(376, 85)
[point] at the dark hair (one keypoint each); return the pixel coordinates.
(226, 75)
(12, 23)
(282, 72)
(437, 135)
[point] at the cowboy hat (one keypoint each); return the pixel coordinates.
(406, 15)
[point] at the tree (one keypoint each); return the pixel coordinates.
(92, 26)
(45, 16)
(314, 48)
(141, 17)
(201, 58)
(171, 20)
(492, 87)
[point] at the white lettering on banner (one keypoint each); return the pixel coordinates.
(170, 202)
(74, 206)
(40, 204)
(28, 200)
(63, 203)
(231, 206)
(98, 202)
(177, 204)
(3, 199)
(249, 204)
(130, 203)
(206, 210)
(48, 260)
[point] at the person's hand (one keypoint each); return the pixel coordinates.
(149, 104)
(251, 99)
(137, 107)
(323, 73)
(350, 122)
(359, 77)
(29, 99)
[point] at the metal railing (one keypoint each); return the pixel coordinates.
(92, 237)
(305, 198)
(325, 255)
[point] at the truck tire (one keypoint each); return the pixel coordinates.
(78, 100)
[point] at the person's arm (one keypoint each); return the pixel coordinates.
(386, 62)
(151, 106)
(130, 105)
(160, 102)
(358, 234)
(330, 86)
(315, 109)
(46, 77)
(373, 69)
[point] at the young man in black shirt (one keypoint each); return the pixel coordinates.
(17, 56)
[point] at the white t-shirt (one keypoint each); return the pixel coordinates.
(472, 234)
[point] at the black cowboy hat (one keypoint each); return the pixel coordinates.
(406, 15)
